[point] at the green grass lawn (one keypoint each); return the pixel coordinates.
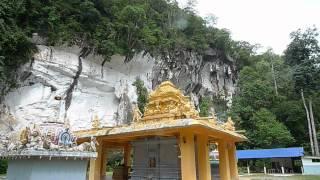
(279, 177)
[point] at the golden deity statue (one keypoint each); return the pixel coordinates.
(24, 135)
(229, 125)
(137, 115)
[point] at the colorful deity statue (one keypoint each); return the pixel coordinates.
(35, 138)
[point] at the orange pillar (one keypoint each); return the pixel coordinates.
(203, 157)
(233, 161)
(104, 162)
(95, 164)
(127, 155)
(224, 168)
(188, 160)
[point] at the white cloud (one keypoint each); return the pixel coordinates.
(266, 22)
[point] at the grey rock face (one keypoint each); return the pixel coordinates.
(211, 75)
(108, 92)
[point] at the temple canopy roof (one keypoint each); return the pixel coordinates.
(167, 113)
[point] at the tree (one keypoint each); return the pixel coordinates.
(291, 113)
(304, 46)
(269, 132)
(15, 47)
(303, 54)
(142, 93)
(132, 22)
(260, 111)
(205, 105)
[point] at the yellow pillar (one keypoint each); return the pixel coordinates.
(127, 155)
(95, 164)
(224, 168)
(188, 160)
(233, 161)
(104, 162)
(203, 158)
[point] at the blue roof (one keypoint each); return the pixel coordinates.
(270, 153)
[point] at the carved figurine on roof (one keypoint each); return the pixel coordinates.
(168, 102)
(213, 119)
(137, 115)
(229, 125)
(95, 123)
(4, 142)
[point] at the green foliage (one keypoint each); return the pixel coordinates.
(243, 52)
(263, 114)
(303, 47)
(268, 132)
(278, 120)
(292, 115)
(307, 77)
(3, 166)
(303, 54)
(108, 27)
(114, 159)
(205, 104)
(15, 47)
(142, 93)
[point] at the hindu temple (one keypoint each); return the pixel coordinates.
(170, 141)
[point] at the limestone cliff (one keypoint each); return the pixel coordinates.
(66, 83)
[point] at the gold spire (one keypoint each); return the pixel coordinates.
(168, 102)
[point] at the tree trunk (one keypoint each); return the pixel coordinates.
(274, 78)
(309, 123)
(314, 132)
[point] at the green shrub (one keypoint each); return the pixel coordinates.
(205, 104)
(142, 93)
(3, 166)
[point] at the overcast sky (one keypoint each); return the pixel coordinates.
(266, 22)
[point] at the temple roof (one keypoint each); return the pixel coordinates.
(167, 112)
(164, 127)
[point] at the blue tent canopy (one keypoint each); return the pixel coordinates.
(270, 153)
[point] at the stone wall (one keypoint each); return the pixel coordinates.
(39, 169)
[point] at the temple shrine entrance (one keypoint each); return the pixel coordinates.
(155, 158)
(170, 141)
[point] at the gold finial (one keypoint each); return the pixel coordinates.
(168, 102)
(136, 113)
(95, 123)
(229, 125)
